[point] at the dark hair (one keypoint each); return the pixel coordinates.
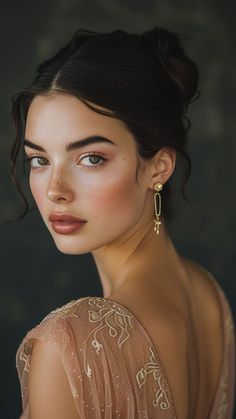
(146, 80)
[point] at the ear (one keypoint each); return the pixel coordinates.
(163, 164)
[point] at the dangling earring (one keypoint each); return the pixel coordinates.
(157, 222)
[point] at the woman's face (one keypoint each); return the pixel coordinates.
(100, 188)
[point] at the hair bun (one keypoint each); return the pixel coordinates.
(166, 47)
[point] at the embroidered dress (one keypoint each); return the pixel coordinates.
(113, 368)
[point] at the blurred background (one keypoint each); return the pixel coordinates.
(35, 277)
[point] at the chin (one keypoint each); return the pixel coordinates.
(69, 246)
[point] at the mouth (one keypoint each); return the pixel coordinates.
(63, 223)
(57, 216)
(67, 227)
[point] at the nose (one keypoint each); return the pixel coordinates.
(59, 188)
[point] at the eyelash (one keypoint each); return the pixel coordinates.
(29, 158)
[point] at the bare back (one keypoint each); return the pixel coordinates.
(184, 321)
(206, 339)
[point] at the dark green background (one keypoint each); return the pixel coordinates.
(35, 276)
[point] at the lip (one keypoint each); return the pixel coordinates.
(66, 227)
(66, 218)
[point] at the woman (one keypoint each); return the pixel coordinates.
(103, 127)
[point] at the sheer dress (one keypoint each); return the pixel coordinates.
(113, 368)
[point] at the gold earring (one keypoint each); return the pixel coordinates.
(157, 187)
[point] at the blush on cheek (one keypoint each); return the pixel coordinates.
(114, 196)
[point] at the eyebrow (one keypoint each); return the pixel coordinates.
(75, 145)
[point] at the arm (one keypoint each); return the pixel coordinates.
(50, 396)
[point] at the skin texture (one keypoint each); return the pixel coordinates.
(119, 208)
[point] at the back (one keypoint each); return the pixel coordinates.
(190, 323)
(215, 341)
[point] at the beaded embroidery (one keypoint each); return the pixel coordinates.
(118, 320)
(112, 315)
(108, 315)
(154, 367)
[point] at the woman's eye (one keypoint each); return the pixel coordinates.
(93, 159)
(39, 159)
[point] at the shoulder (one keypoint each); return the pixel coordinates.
(49, 391)
(99, 345)
(83, 323)
(46, 361)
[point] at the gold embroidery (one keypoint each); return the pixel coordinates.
(88, 370)
(154, 367)
(25, 355)
(111, 315)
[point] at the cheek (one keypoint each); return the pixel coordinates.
(117, 196)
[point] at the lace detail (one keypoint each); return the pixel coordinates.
(153, 367)
(109, 315)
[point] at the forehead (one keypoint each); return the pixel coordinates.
(67, 116)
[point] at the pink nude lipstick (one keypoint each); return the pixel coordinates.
(65, 223)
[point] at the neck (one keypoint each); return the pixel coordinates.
(121, 263)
